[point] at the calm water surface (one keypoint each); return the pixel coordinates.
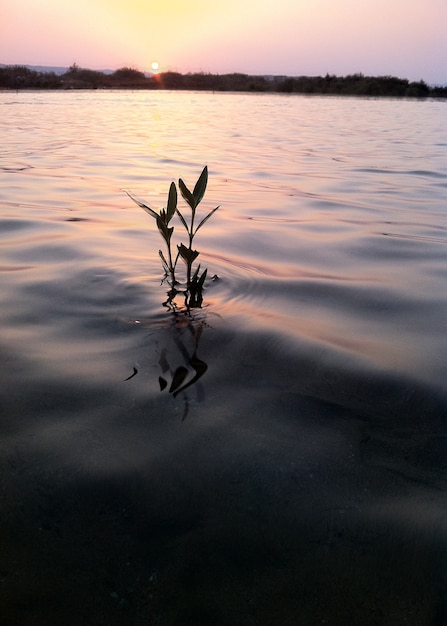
(302, 479)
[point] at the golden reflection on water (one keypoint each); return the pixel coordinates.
(332, 236)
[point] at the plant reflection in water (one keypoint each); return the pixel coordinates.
(186, 333)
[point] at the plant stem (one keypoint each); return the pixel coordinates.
(171, 267)
(191, 237)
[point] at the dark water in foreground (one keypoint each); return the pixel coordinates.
(302, 480)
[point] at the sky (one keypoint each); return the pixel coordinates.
(404, 38)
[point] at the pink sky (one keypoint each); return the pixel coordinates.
(404, 38)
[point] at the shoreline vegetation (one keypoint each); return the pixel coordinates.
(17, 77)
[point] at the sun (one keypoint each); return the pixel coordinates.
(155, 66)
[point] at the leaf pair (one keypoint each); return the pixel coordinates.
(193, 199)
(187, 254)
(181, 372)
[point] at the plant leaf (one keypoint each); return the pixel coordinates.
(176, 258)
(202, 279)
(195, 275)
(164, 230)
(200, 187)
(172, 202)
(183, 250)
(164, 262)
(207, 217)
(143, 205)
(183, 220)
(187, 195)
(187, 254)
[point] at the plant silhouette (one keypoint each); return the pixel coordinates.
(186, 329)
(193, 284)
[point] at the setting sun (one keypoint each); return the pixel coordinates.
(298, 37)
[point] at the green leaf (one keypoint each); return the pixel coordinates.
(172, 202)
(207, 217)
(187, 195)
(142, 205)
(200, 187)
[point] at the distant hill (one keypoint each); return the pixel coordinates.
(44, 68)
(270, 78)
(47, 68)
(74, 77)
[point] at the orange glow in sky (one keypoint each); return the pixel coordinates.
(404, 38)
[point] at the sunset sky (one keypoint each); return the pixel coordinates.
(405, 38)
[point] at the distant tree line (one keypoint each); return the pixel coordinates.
(21, 77)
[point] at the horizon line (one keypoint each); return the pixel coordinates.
(50, 68)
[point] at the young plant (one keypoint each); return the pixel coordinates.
(194, 283)
(187, 253)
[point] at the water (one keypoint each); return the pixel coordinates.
(301, 480)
